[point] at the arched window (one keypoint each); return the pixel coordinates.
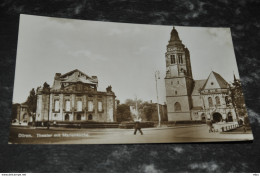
(210, 102)
(177, 106)
(24, 116)
(67, 117)
(217, 100)
(172, 59)
(90, 117)
(227, 100)
(180, 58)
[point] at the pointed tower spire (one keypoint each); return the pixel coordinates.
(174, 35)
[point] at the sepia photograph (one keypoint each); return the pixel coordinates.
(94, 82)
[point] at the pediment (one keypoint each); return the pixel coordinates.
(215, 81)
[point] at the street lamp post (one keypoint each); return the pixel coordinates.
(136, 108)
(158, 108)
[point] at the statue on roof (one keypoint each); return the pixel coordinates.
(109, 88)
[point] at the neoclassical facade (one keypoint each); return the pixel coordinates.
(74, 97)
(23, 113)
(189, 99)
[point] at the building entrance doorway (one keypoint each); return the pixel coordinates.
(203, 117)
(78, 117)
(229, 117)
(25, 116)
(217, 117)
(90, 117)
(67, 117)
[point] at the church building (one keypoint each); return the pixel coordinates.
(189, 99)
(74, 97)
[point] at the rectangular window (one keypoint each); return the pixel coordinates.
(79, 87)
(79, 105)
(67, 108)
(90, 106)
(100, 107)
(56, 105)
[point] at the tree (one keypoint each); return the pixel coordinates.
(14, 110)
(123, 113)
(237, 96)
(31, 102)
(131, 102)
(147, 110)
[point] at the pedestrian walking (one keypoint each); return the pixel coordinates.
(210, 125)
(138, 127)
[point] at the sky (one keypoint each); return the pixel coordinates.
(123, 55)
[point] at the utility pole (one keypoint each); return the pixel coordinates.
(48, 124)
(158, 108)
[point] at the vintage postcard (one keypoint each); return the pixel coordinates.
(88, 82)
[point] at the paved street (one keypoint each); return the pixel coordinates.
(196, 133)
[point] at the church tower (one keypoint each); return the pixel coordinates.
(178, 80)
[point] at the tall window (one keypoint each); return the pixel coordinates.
(180, 58)
(217, 100)
(56, 105)
(210, 102)
(172, 59)
(67, 105)
(90, 106)
(79, 105)
(227, 100)
(177, 106)
(100, 107)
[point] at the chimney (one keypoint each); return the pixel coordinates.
(57, 76)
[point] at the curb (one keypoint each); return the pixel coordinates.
(162, 128)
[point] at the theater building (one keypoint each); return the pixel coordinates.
(189, 99)
(74, 97)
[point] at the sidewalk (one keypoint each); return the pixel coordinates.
(194, 133)
(174, 127)
(239, 130)
(130, 129)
